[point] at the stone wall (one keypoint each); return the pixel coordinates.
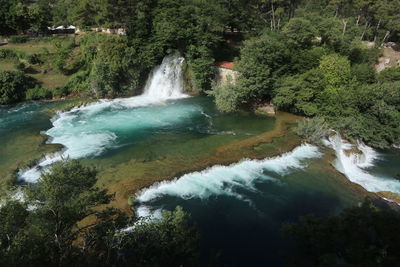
(225, 76)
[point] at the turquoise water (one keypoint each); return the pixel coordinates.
(118, 131)
(239, 209)
(20, 127)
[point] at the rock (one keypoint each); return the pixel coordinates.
(268, 109)
(226, 76)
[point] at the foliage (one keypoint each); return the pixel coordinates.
(8, 54)
(201, 63)
(389, 75)
(361, 236)
(336, 70)
(19, 65)
(66, 225)
(263, 59)
(13, 86)
(364, 73)
(18, 39)
(170, 241)
(300, 32)
(299, 94)
(34, 59)
(227, 98)
(313, 129)
(37, 93)
(63, 51)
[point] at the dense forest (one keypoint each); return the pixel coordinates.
(314, 58)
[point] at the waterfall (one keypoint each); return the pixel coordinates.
(91, 130)
(354, 165)
(166, 80)
(225, 180)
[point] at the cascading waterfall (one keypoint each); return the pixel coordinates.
(224, 180)
(91, 130)
(166, 80)
(354, 165)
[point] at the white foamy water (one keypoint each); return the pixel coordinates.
(223, 180)
(355, 166)
(91, 130)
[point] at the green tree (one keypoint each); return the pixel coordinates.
(168, 241)
(336, 70)
(300, 32)
(63, 197)
(389, 75)
(13, 86)
(63, 222)
(300, 94)
(361, 236)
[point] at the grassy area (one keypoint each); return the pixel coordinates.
(6, 65)
(50, 81)
(31, 48)
(45, 73)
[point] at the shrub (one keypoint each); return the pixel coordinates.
(13, 85)
(19, 65)
(364, 73)
(8, 54)
(38, 93)
(312, 129)
(389, 75)
(227, 98)
(34, 59)
(60, 91)
(19, 39)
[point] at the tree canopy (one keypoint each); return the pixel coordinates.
(61, 222)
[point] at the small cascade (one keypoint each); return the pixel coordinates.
(354, 160)
(225, 180)
(166, 80)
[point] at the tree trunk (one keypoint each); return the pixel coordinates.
(273, 15)
(377, 28)
(344, 26)
(365, 30)
(386, 37)
(358, 19)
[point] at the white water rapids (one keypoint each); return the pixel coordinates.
(355, 166)
(225, 180)
(90, 130)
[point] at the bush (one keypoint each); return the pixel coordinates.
(19, 39)
(8, 54)
(34, 59)
(60, 91)
(19, 65)
(389, 75)
(312, 129)
(13, 85)
(227, 98)
(364, 73)
(38, 93)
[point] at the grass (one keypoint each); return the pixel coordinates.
(49, 80)
(37, 46)
(31, 48)
(6, 65)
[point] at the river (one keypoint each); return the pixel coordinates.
(238, 182)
